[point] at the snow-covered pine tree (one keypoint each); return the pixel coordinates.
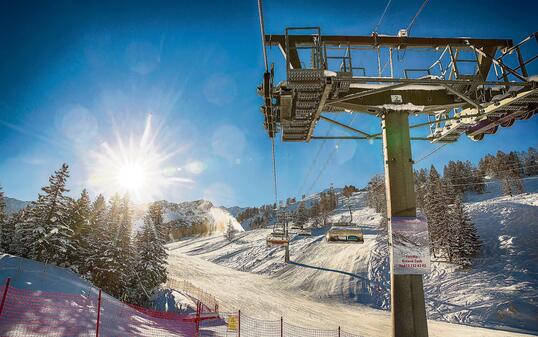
(150, 265)
(79, 216)
(530, 162)
(465, 242)
(111, 273)
(436, 211)
(4, 244)
(376, 197)
(487, 165)
(125, 252)
(301, 216)
(477, 181)
(229, 233)
(508, 170)
(421, 179)
(515, 172)
(98, 237)
(12, 238)
(45, 230)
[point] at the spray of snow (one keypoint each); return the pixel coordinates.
(223, 219)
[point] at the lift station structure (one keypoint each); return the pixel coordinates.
(472, 87)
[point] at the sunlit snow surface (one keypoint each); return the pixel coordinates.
(329, 284)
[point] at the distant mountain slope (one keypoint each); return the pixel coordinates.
(13, 205)
(192, 218)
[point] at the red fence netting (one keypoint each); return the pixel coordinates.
(33, 313)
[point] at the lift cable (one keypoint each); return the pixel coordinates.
(400, 58)
(264, 50)
(314, 162)
(329, 159)
(274, 171)
(376, 27)
(416, 16)
(490, 182)
(431, 152)
(262, 31)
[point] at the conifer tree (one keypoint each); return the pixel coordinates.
(12, 237)
(45, 230)
(436, 210)
(515, 172)
(229, 233)
(508, 170)
(4, 232)
(465, 243)
(376, 197)
(530, 162)
(98, 238)
(301, 217)
(421, 179)
(110, 276)
(79, 216)
(151, 255)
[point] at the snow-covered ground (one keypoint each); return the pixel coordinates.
(327, 285)
(63, 304)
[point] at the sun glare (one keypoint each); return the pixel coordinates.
(131, 177)
(139, 167)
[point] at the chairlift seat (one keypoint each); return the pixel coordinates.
(344, 234)
(275, 239)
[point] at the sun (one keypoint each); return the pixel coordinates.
(137, 166)
(131, 177)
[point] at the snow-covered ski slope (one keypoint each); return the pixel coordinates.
(45, 300)
(327, 285)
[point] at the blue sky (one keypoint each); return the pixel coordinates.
(74, 76)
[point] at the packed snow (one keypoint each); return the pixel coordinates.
(327, 285)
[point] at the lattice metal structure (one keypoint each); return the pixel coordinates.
(456, 91)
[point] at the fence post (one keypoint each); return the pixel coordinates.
(8, 281)
(239, 323)
(338, 331)
(198, 313)
(281, 326)
(98, 314)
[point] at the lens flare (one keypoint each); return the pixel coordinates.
(131, 176)
(138, 167)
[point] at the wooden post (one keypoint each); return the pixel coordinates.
(239, 323)
(4, 296)
(338, 331)
(281, 326)
(98, 314)
(408, 310)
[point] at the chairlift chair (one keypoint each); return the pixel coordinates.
(344, 233)
(277, 238)
(304, 232)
